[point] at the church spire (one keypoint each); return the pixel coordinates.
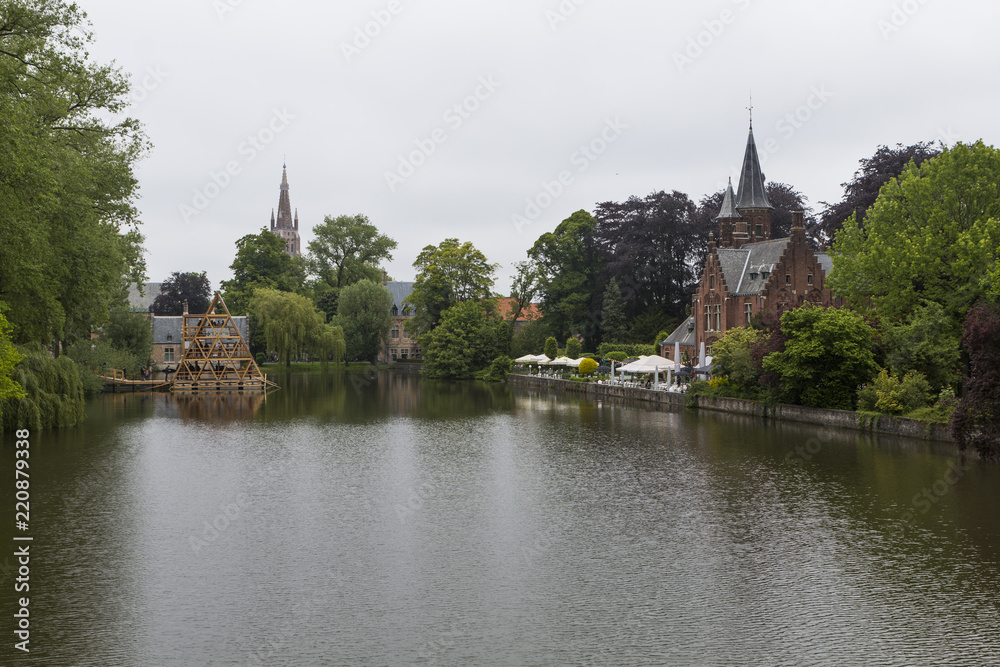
(284, 220)
(751, 194)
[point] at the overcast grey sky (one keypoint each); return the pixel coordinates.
(494, 121)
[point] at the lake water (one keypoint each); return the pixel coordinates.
(391, 520)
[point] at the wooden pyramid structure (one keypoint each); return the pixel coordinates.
(216, 357)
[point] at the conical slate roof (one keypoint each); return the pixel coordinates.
(751, 194)
(728, 211)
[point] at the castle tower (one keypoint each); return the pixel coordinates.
(751, 199)
(285, 225)
(727, 217)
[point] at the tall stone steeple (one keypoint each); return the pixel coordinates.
(285, 225)
(751, 198)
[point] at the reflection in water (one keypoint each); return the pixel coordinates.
(386, 520)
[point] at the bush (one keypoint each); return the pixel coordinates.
(260, 358)
(630, 349)
(889, 395)
(588, 366)
(101, 356)
(551, 347)
(573, 348)
(617, 355)
(497, 371)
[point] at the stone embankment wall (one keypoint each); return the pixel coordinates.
(792, 413)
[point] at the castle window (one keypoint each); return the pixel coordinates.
(711, 281)
(759, 229)
(395, 331)
(708, 318)
(748, 309)
(392, 353)
(809, 279)
(168, 354)
(788, 279)
(718, 318)
(403, 353)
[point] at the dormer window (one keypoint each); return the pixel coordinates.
(765, 274)
(753, 275)
(395, 311)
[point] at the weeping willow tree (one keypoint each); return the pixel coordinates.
(52, 396)
(292, 325)
(10, 389)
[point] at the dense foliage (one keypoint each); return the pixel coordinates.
(53, 393)
(861, 191)
(180, 287)
(261, 262)
(346, 249)
(292, 326)
(828, 353)
(465, 341)
(447, 274)
(976, 422)
(364, 315)
(69, 236)
(931, 235)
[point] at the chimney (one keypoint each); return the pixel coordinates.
(798, 224)
(185, 306)
(384, 277)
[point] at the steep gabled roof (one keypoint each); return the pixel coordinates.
(744, 268)
(284, 220)
(751, 194)
(684, 334)
(399, 292)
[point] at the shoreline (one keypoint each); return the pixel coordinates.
(878, 424)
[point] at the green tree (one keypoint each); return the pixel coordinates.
(733, 358)
(528, 338)
(347, 249)
(261, 262)
(460, 345)
(928, 343)
(10, 390)
(551, 347)
(447, 274)
(573, 347)
(290, 323)
(568, 267)
(614, 327)
(131, 333)
(828, 354)
(69, 237)
(931, 235)
(894, 395)
(180, 287)
(365, 315)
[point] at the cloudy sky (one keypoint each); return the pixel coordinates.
(494, 121)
